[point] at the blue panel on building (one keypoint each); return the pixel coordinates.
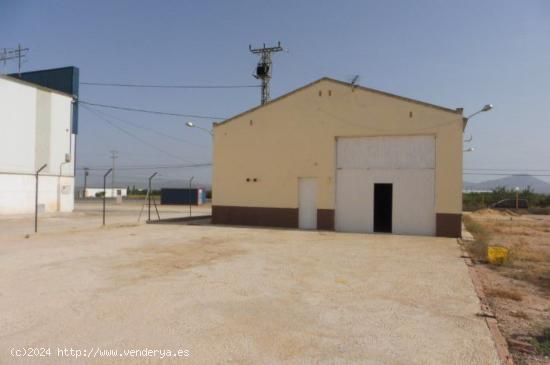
(64, 79)
(181, 196)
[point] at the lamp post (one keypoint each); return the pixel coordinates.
(193, 125)
(517, 196)
(486, 108)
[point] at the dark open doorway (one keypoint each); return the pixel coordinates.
(383, 196)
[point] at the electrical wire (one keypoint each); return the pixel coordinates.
(147, 167)
(165, 86)
(501, 174)
(151, 130)
(117, 107)
(492, 169)
(109, 122)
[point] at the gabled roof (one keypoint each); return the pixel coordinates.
(454, 111)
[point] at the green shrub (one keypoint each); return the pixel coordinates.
(542, 343)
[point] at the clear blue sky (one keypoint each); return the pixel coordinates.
(451, 53)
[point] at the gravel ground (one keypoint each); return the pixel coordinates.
(233, 295)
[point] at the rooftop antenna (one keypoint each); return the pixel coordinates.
(16, 53)
(263, 69)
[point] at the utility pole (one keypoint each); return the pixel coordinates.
(114, 156)
(263, 70)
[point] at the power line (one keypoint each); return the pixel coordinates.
(492, 169)
(147, 167)
(134, 136)
(151, 130)
(165, 86)
(150, 111)
(500, 174)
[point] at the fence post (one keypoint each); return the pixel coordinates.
(150, 192)
(36, 198)
(104, 193)
(190, 181)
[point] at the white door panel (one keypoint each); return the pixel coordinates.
(307, 208)
(354, 201)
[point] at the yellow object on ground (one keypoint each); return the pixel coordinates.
(497, 254)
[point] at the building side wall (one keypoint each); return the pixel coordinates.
(36, 126)
(61, 138)
(296, 137)
(17, 194)
(17, 127)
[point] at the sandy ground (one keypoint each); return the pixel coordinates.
(239, 296)
(519, 291)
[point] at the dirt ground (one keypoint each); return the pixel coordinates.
(231, 295)
(519, 290)
(88, 216)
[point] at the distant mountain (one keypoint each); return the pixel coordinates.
(510, 182)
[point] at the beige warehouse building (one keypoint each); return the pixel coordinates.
(334, 156)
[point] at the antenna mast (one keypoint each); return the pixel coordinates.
(10, 54)
(263, 70)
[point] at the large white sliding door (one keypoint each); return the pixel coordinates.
(407, 163)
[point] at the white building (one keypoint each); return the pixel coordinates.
(109, 192)
(36, 124)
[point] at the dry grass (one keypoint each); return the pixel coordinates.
(519, 314)
(523, 252)
(537, 275)
(528, 241)
(478, 248)
(504, 293)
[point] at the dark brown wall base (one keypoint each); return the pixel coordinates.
(255, 216)
(325, 219)
(448, 225)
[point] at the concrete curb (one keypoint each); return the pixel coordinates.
(500, 342)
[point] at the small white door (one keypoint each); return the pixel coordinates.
(307, 208)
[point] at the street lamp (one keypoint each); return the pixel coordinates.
(193, 125)
(486, 108)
